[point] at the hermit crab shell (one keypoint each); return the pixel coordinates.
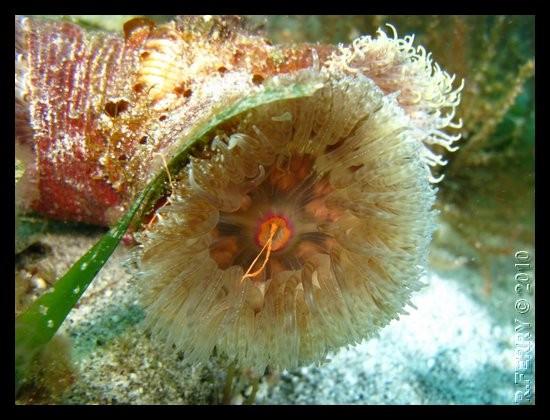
(96, 113)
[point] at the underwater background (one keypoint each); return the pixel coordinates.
(471, 338)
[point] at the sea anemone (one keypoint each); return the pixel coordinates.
(303, 226)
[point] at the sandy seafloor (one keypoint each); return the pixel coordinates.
(458, 347)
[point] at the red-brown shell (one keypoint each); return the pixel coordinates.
(87, 104)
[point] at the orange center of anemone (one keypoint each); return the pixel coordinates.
(273, 234)
(274, 229)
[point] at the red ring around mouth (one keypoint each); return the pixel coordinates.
(282, 235)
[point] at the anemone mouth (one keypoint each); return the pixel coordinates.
(275, 230)
(278, 221)
(291, 237)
